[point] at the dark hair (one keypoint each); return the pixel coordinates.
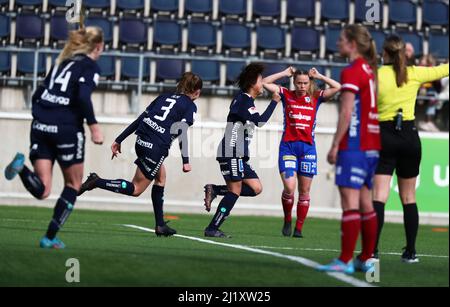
(189, 83)
(312, 86)
(249, 76)
(364, 42)
(395, 48)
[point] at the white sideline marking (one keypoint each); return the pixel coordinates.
(336, 250)
(306, 262)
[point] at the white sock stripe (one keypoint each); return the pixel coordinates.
(352, 217)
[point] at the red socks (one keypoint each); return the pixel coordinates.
(369, 229)
(302, 211)
(288, 202)
(350, 226)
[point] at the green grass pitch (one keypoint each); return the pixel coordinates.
(113, 255)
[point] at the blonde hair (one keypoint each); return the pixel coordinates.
(364, 42)
(189, 83)
(312, 84)
(82, 41)
(395, 48)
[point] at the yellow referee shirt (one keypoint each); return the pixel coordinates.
(391, 98)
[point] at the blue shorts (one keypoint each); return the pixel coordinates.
(356, 168)
(298, 157)
(236, 169)
(63, 143)
(150, 157)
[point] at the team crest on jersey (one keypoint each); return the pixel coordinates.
(308, 99)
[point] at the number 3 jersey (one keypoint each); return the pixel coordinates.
(65, 96)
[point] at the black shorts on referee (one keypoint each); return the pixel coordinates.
(401, 150)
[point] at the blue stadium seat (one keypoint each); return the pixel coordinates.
(332, 36)
(5, 26)
(167, 32)
(415, 39)
(5, 62)
(237, 8)
(439, 45)
(57, 3)
(270, 37)
(361, 11)
(233, 71)
(105, 24)
(59, 28)
(164, 6)
(201, 34)
(100, 4)
(435, 12)
(132, 31)
(29, 27)
(335, 9)
(107, 66)
(236, 36)
(305, 39)
(304, 9)
(209, 71)
(336, 73)
(4, 3)
(267, 8)
(378, 36)
(25, 63)
(203, 7)
(271, 69)
(130, 5)
(169, 69)
(130, 68)
(29, 3)
(402, 11)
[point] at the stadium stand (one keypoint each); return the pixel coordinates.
(301, 11)
(233, 10)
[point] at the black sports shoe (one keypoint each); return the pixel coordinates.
(297, 233)
(165, 231)
(216, 233)
(287, 229)
(210, 195)
(89, 184)
(409, 256)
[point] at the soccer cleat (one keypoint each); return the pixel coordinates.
(297, 233)
(287, 229)
(15, 167)
(409, 256)
(55, 243)
(165, 231)
(210, 195)
(364, 266)
(89, 184)
(337, 266)
(216, 233)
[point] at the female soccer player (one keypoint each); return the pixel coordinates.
(297, 154)
(401, 148)
(59, 108)
(355, 149)
(156, 128)
(233, 153)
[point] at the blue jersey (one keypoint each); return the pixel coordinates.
(65, 96)
(241, 122)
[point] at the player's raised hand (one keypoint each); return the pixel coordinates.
(289, 72)
(116, 150)
(187, 168)
(315, 74)
(276, 97)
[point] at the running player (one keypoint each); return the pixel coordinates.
(165, 119)
(355, 149)
(297, 154)
(59, 108)
(233, 152)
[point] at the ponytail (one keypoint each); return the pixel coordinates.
(365, 44)
(395, 49)
(82, 41)
(189, 83)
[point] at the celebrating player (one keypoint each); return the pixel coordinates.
(156, 128)
(59, 108)
(355, 149)
(297, 154)
(233, 153)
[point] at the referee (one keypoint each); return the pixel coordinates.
(401, 147)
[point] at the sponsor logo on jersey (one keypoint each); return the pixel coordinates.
(300, 116)
(290, 164)
(306, 167)
(67, 157)
(358, 171)
(55, 99)
(142, 143)
(80, 146)
(294, 158)
(354, 122)
(357, 180)
(302, 107)
(63, 146)
(309, 157)
(154, 125)
(45, 128)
